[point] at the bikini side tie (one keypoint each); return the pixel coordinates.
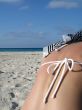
(67, 64)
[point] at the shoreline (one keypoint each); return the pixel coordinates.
(21, 52)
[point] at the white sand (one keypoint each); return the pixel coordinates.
(17, 75)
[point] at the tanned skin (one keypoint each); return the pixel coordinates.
(69, 96)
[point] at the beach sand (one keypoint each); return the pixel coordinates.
(17, 75)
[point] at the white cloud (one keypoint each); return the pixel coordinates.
(63, 4)
(23, 8)
(10, 1)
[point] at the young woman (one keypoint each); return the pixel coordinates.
(58, 85)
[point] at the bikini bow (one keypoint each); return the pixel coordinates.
(67, 64)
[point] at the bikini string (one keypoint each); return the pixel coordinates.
(67, 64)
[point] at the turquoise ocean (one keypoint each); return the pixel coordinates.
(20, 49)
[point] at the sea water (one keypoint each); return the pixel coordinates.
(20, 49)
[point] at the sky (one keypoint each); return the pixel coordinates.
(37, 23)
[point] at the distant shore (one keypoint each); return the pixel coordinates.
(17, 75)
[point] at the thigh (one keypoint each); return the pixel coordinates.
(69, 94)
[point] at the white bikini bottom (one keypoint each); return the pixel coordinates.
(65, 65)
